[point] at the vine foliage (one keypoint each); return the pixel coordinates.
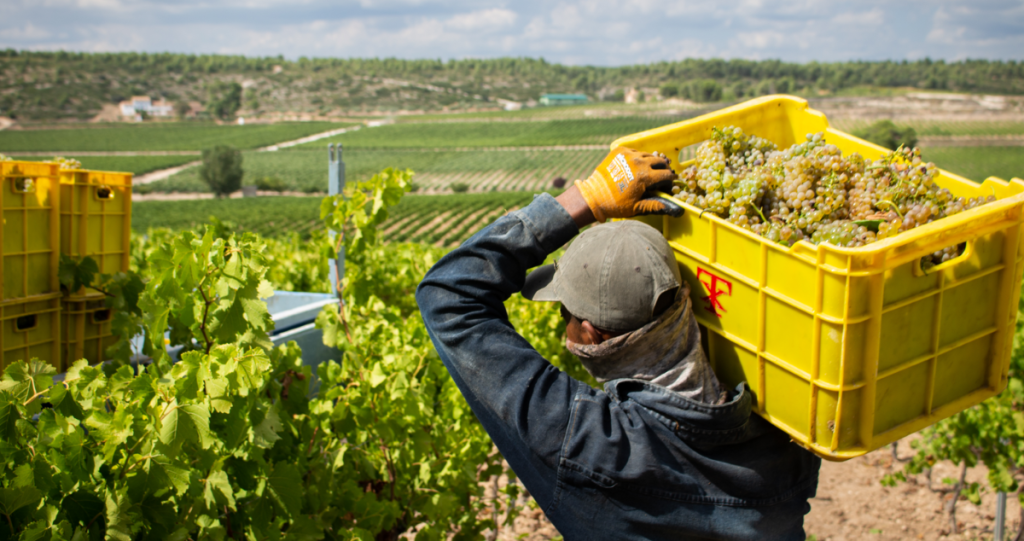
(238, 439)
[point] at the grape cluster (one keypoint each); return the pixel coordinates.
(67, 163)
(810, 191)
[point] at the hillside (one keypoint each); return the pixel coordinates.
(58, 86)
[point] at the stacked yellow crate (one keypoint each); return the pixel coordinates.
(95, 221)
(29, 257)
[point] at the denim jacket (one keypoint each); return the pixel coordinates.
(634, 461)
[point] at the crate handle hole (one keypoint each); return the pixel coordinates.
(24, 184)
(100, 316)
(26, 323)
(944, 258)
(104, 192)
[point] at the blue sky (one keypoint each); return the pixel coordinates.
(599, 32)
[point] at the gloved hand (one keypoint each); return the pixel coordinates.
(616, 189)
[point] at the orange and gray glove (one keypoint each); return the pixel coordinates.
(623, 185)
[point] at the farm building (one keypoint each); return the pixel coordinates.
(143, 104)
(563, 99)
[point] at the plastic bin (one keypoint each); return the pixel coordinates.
(849, 349)
(31, 329)
(85, 328)
(95, 217)
(30, 230)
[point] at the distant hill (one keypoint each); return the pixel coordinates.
(55, 86)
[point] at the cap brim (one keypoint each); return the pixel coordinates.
(541, 285)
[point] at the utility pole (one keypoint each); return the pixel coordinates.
(335, 186)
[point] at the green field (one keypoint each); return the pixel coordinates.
(131, 164)
(157, 136)
(498, 134)
(938, 128)
(979, 163)
(457, 216)
(306, 170)
(265, 215)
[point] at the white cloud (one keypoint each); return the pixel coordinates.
(598, 32)
(487, 19)
(873, 17)
(27, 31)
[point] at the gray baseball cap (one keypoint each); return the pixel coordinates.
(612, 276)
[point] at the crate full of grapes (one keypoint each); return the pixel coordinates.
(861, 293)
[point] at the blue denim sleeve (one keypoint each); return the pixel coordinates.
(520, 398)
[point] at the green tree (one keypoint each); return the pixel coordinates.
(224, 99)
(669, 90)
(181, 109)
(222, 169)
(888, 135)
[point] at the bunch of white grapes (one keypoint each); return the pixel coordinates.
(67, 163)
(810, 191)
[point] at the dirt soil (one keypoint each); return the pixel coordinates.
(852, 504)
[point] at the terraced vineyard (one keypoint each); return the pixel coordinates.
(156, 136)
(979, 162)
(938, 128)
(448, 220)
(499, 170)
(599, 131)
(130, 164)
(433, 219)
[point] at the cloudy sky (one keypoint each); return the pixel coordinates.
(600, 32)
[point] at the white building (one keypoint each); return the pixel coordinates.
(143, 104)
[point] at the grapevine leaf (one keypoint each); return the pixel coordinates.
(218, 491)
(190, 374)
(162, 469)
(142, 388)
(872, 225)
(8, 417)
(265, 290)
(23, 476)
(75, 457)
(23, 379)
(74, 275)
(119, 519)
(158, 513)
(284, 486)
(303, 528)
(14, 498)
(266, 429)
(64, 402)
(186, 423)
(250, 370)
(81, 507)
(377, 376)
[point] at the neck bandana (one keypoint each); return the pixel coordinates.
(665, 352)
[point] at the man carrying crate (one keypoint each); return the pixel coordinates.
(662, 452)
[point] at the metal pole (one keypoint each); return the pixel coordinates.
(335, 186)
(1000, 533)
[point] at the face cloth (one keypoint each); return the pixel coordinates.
(665, 352)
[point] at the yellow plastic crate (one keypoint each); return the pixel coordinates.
(31, 329)
(30, 229)
(849, 349)
(85, 328)
(95, 217)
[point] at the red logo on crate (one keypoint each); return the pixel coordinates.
(716, 286)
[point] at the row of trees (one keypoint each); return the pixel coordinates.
(61, 84)
(975, 75)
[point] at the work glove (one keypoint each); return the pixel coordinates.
(623, 185)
